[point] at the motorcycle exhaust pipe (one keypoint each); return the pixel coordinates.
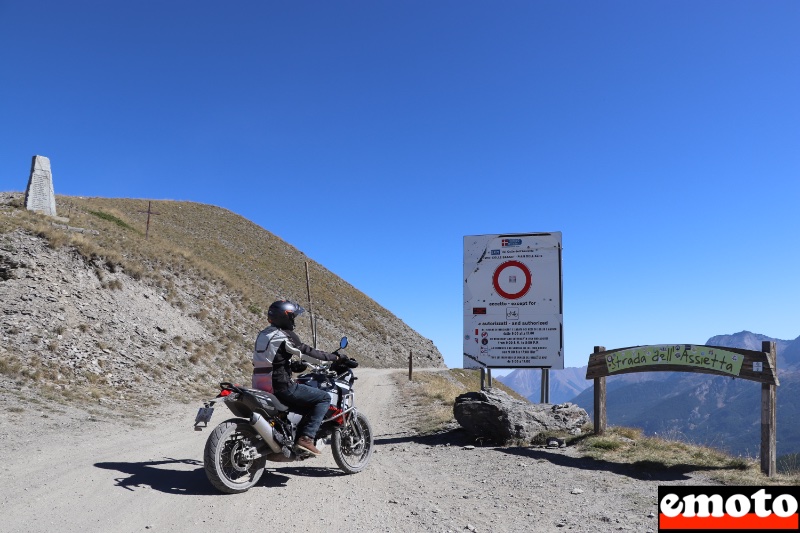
(265, 430)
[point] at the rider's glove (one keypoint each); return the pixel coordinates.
(299, 366)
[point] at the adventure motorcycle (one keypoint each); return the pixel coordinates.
(264, 429)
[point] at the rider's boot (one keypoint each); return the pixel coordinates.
(307, 444)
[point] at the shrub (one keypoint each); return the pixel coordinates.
(111, 218)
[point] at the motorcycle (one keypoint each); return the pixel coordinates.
(237, 451)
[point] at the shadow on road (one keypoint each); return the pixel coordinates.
(643, 470)
(158, 476)
(306, 471)
(456, 437)
(153, 474)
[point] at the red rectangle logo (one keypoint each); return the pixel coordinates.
(728, 508)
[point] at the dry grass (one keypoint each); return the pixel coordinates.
(630, 446)
(432, 395)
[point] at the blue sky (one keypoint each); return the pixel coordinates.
(662, 139)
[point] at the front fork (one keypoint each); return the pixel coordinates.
(354, 434)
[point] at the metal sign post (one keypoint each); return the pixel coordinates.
(545, 385)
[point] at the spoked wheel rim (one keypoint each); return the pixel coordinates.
(234, 461)
(231, 457)
(355, 443)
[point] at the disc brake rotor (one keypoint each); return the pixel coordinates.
(240, 460)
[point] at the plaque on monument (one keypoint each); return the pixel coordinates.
(39, 195)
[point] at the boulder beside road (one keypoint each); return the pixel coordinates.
(495, 416)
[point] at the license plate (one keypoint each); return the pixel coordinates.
(203, 417)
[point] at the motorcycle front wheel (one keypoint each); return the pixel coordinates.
(351, 444)
(229, 458)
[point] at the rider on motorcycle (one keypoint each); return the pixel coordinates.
(272, 372)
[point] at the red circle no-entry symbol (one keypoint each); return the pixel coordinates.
(505, 279)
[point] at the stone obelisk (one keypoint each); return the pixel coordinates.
(39, 196)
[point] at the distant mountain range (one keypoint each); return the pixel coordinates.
(564, 384)
(698, 408)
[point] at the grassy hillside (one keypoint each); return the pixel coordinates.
(89, 302)
(223, 245)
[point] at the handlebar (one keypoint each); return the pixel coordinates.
(335, 368)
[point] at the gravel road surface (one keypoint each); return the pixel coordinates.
(69, 471)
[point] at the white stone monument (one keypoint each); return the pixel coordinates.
(39, 196)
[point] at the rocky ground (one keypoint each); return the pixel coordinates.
(72, 470)
(71, 323)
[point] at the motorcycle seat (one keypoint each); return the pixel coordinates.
(270, 398)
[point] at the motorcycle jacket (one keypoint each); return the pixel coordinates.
(272, 358)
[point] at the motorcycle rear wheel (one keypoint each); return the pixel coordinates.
(227, 457)
(351, 445)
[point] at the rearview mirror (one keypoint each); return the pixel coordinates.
(343, 343)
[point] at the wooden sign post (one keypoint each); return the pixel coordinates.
(769, 435)
(149, 212)
(751, 365)
(599, 399)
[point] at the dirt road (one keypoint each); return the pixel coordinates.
(72, 472)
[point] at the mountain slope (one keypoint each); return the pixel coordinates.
(93, 308)
(752, 341)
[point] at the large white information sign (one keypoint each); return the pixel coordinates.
(513, 309)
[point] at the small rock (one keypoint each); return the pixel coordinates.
(469, 447)
(576, 491)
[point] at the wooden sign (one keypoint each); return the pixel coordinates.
(721, 361)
